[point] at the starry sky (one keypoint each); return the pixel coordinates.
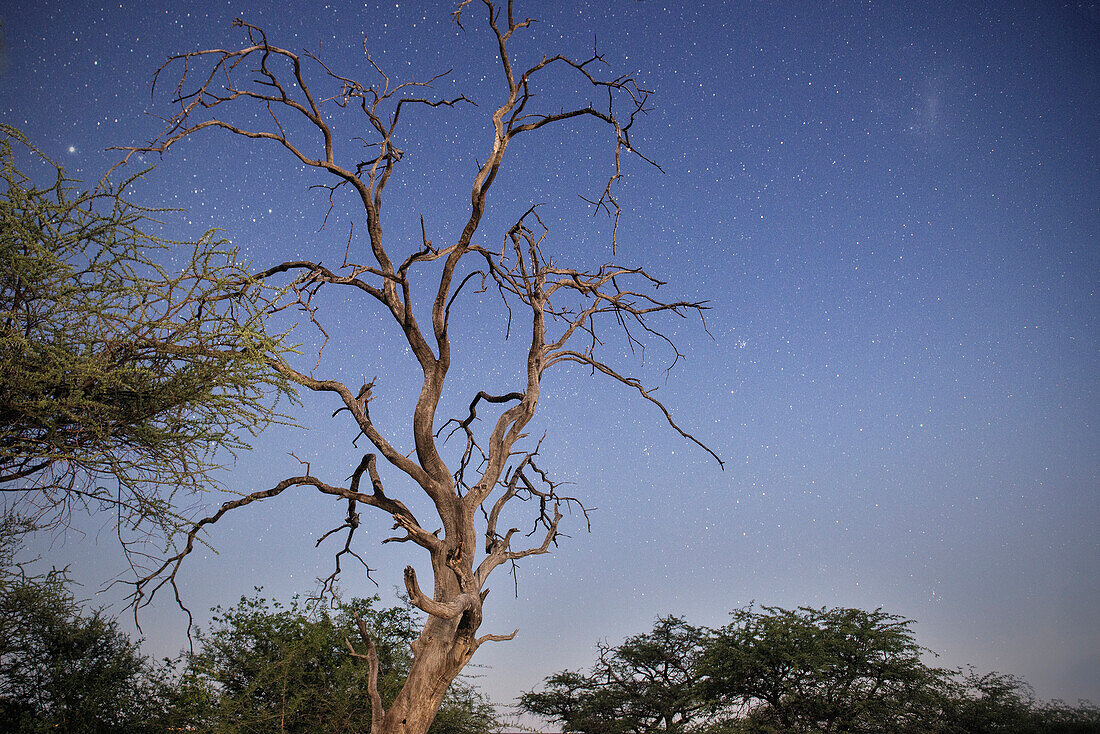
(892, 209)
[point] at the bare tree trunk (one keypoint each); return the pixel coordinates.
(562, 312)
(438, 662)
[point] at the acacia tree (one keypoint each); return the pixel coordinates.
(64, 667)
(823, 669)
(263, 666)
(649, 684)
(566, 311)
(782, 671)
(121, 379)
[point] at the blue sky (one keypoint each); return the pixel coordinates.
(893, 212)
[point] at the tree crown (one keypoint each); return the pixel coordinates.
(124, 380)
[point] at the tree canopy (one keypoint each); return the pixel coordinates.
(787, 671)
(263, 666)
(63, 668)
(129, 365)
(648, 683)
(822, 670)
(259, 666)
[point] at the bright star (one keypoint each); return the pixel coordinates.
(72, 148)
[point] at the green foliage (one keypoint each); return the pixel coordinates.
(266, 667)
(995, 703)
(121, 377)
(1058, 717)
(780, 671)
(991, 703)
(822, 670)
(261, 667)
(650, 683)
(62, 669)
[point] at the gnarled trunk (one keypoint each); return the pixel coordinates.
(442, 651)
(567, 311)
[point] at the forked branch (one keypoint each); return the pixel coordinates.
(568, 314)
(377, 713)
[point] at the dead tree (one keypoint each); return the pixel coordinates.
(565, 313)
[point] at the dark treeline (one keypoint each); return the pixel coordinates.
(773, 670)
(259, 666)
(262, 666)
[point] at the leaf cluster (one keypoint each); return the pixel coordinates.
(785, 671)
(124, 376)
(62, 669)
(264, 666)
(648, 683)
(260, 666)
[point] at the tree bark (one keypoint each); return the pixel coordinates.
(565, 309)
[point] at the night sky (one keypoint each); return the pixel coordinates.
(892, 208)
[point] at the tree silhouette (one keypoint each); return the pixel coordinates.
(565, 314)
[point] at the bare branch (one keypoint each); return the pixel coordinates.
(497, 638)
(444, 610)
(377, 713)
(571, 356)
(351, 524)
(567, 315)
